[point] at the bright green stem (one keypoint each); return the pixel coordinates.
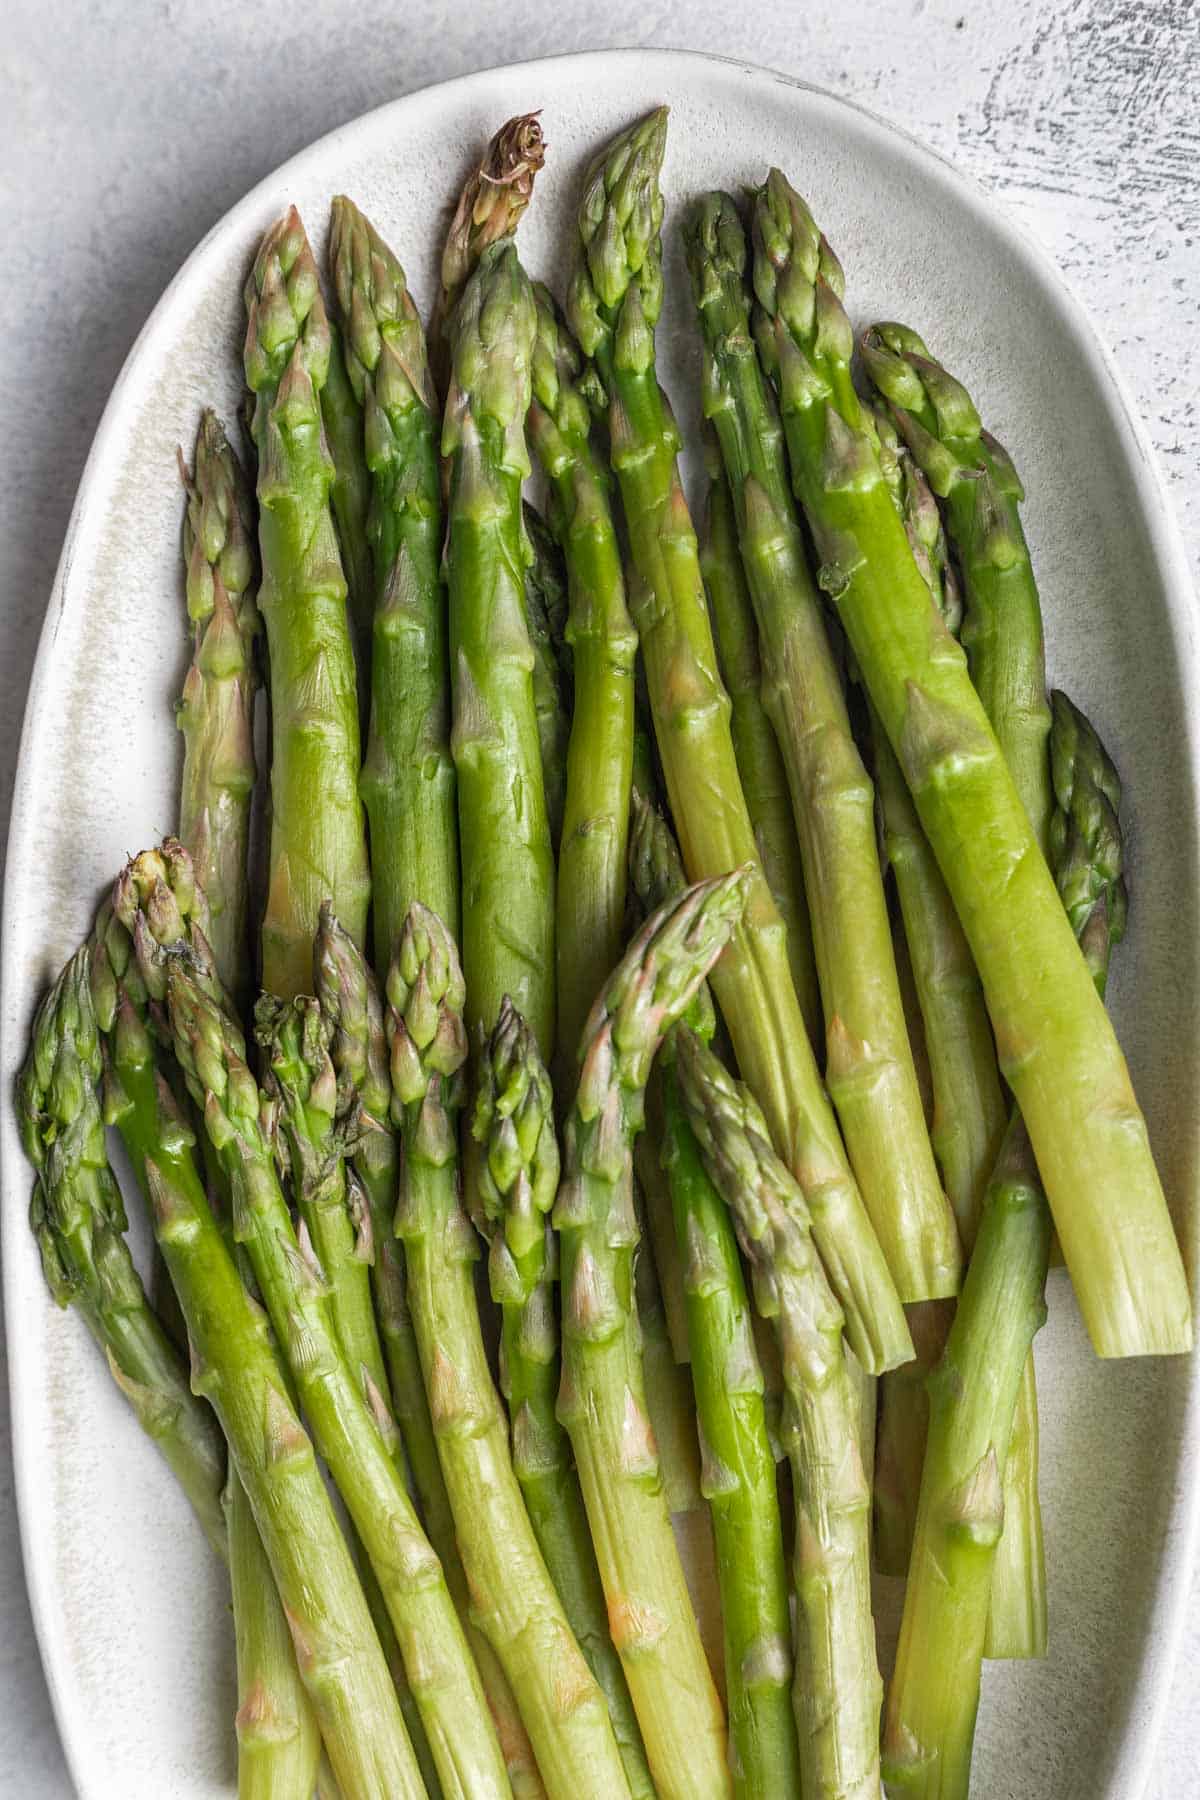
(318, 844)
(514, 1123)
(407, 783)
(78, 1219)
(508, 868)
(764, 779)
(356, 1435)
(868, 1063)
(615, 300)
(544, 578)
(350, 497)
(515, 1604)
(1057, 1048)
(216, 708)
(837, 1690)
(235, 1367)
(279, 1741)
(934, 1695)
(603, 1400)
(738, 1475)
(603, 644)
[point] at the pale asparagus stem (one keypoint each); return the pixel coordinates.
(934, 1697)
(318, 844)
(216, 708)
(350, 998)
(602, 1402)
(234, 1359)
(518, 1178)
(868, 1066)
(760, 765)
(490, 207)
(354, 1428)
(515, 1602)
(837, 1689)
(1057, 1048)
(615, 300)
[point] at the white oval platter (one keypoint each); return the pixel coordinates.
(131, 1612)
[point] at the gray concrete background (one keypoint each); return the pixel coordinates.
(127, 127)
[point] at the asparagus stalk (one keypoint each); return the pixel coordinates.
(837, 1690)
(614, 303)
(1002, 633)
(350, 496)
(544, 580)
(352, 1003)
(549, 560)
(764, 780)
(354, 1429)
(278, 1739)
(79, 1222)
(602, 1402)
(318, 850)
(603, 645)
(235, 1364)
(868, 1065)
(516, 1605)
(1058, 1050)
(490, 206)
(408, 777)
(216, 708)
(514, 1124)
(934, 1697)
(508, 870)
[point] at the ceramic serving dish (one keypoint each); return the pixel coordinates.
(131, 1612)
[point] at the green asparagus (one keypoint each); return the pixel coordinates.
(514, 1123)
(868, 1065)
(515, 1603)
(508, 869)
(490, 207)
(615, 300)
(318, 851)
(837, 1690)
(544, 580)
(350, 499)
(602, 1401)
(408, 778)
(1057, 1047)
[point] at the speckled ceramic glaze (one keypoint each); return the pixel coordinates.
(131, 1612)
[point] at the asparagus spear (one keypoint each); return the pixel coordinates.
(1002, 633)
(1057, 1048)
(603, 646)
(602, 1401)
(614, 302)
(544, 580)
(350, 496)
(489, 207)
(868, 1067)
(353, 1428)
(234, 1361)
(516, 1606)
(760, 765)
(408, 778)
(216, 708)
(508, 870)
(837, 1690)
(934, 1697)
(318, 851)
(549, 561)
(278, 1739)
(514, 1123)
(79, 1222)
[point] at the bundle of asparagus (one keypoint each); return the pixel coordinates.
(504, 1609)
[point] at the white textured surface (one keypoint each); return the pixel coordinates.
(132, 129)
